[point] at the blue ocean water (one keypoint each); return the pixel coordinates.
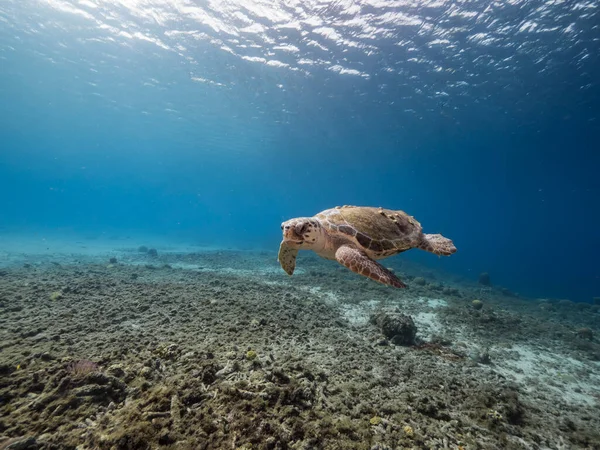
(214, 121)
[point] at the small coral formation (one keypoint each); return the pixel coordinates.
(420, 281)
(112, 260)
(451, 291)
(143, 249)
(585, 333)
(494, 415)
(481, 357)
(399, 328)
(375, 420)
(477, 304)
(484, 279)
(56, 296)
(596, 300)
(152, 252)
(167, 351)
(82, 368)
(566, 303)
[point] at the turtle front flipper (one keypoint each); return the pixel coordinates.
(358, 262)
(287, 257)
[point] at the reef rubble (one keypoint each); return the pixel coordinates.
(219, 349)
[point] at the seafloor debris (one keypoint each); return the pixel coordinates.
(440, 350)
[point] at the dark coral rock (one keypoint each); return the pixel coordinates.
(484, 279)
(585, 333)
(152, 252)
(513, 409)
(399, 328)
(6, 369)
(565, 303)
(143, 249)
(420, 281)
(451, 291)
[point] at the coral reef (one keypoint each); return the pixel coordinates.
(199, 352)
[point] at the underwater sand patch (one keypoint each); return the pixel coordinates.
(565, 378)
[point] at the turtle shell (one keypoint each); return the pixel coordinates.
(382, 231)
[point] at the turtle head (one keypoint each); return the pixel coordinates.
(301, 232)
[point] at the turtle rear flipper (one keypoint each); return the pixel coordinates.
(358, 262)
(437, 244)
(287, 257)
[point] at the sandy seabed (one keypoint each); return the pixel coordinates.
(219, 349)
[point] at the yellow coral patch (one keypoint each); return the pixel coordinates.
(375, 420)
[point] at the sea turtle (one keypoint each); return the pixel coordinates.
(356, 236)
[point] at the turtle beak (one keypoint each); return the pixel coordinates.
(291, 232)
